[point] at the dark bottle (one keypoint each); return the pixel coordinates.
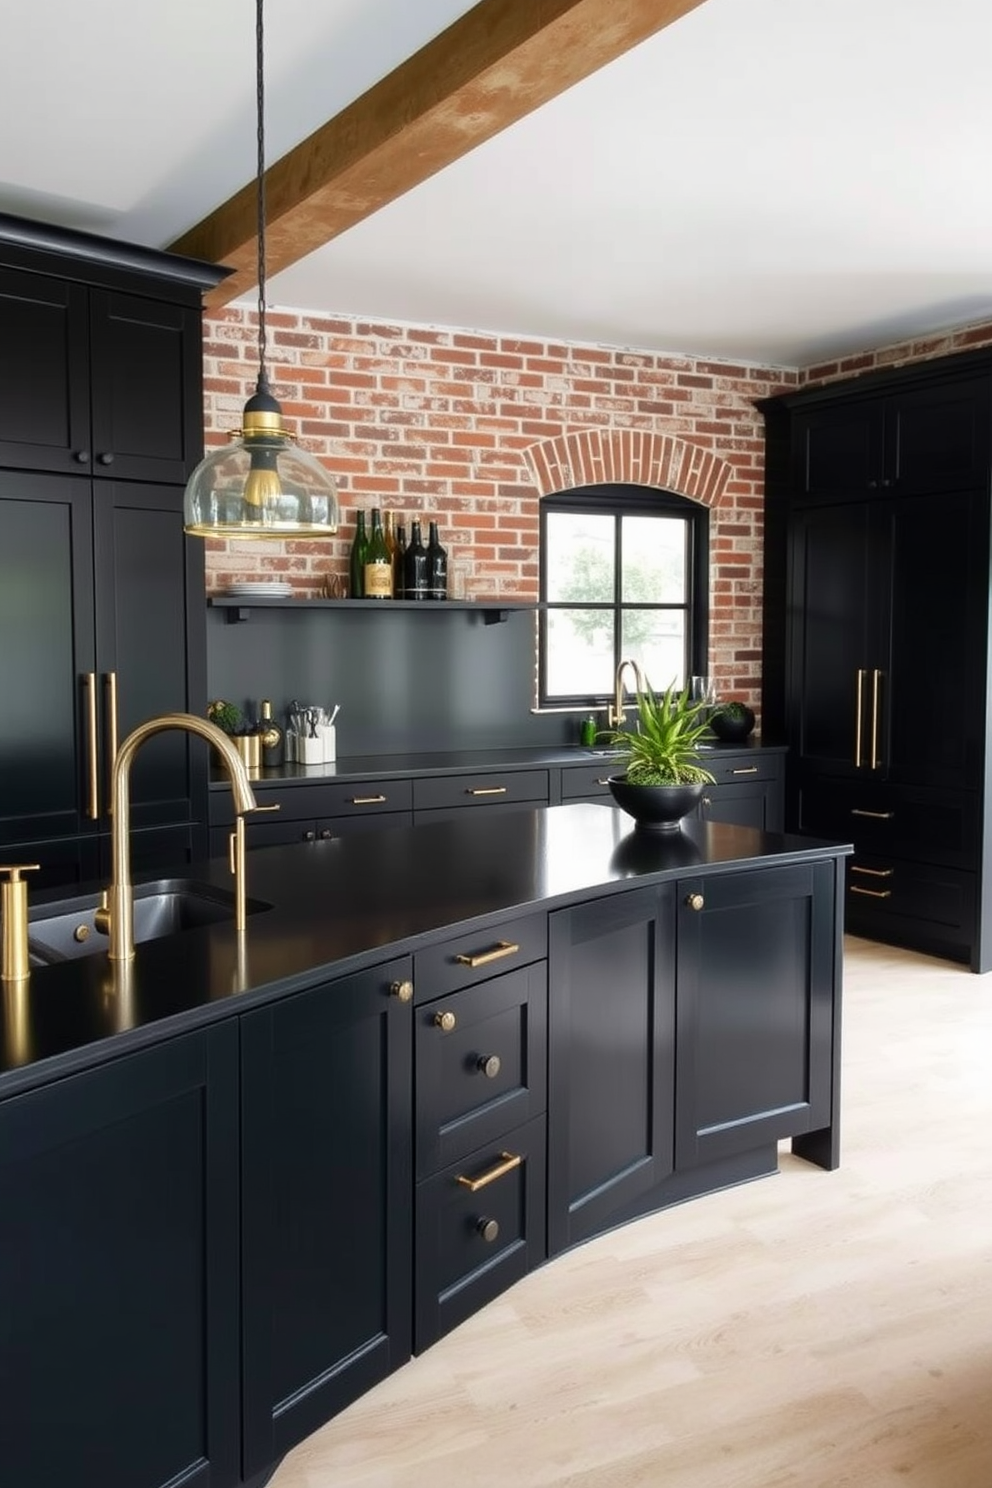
(378, 566)
(437, 565)
(399, 558)
(359, 549)
(415, 566)
(273, 738)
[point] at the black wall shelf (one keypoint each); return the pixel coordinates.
(493, 611)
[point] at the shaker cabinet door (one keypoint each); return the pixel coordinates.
(44, 373)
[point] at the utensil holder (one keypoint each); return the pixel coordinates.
(309, 751)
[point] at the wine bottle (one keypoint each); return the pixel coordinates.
(359, 549)
(437, 565)
(415, 566)
(378, 568)
(273, 737)
(399, 557)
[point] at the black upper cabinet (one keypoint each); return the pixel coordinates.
(919, 440)
(101, 593)
(97, 381)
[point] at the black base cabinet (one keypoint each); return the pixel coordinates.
(119, 1236)
(326, 1196)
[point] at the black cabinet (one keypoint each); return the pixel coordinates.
(877, 576)
(326, 1193)
(314, 812)
(119, 1272)
(611, 1077)
(102, 594)
(756, 1017)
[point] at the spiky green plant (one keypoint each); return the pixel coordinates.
(664, 748)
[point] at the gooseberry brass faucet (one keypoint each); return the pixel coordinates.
(118, 913)
(616, 714)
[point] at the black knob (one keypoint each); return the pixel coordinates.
(489, 1065)
(326, 834)
(83, 456)
(106, 458)
(488, 1229)
(872, 484)
(309, 836)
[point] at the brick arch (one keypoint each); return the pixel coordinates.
(632, 456)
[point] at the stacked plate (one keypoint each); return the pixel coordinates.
(264, 589)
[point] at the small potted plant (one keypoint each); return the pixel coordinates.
(663, 777)
(227, 716)
(732, 721)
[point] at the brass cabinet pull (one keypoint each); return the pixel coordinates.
(857, 719)
(871, 893)
(486, 790)
(110, 681)
(875, 815)
(508, 1161)
(603, 781)
(403, 991)
(872, 872)
(876, 678)
(93, 806)
(500, 949)
(694, 901)
(368, 800)
(746, 770)
(445, 1021)
(707, 800)
(489, 1065)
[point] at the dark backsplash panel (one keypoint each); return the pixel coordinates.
(406, 681)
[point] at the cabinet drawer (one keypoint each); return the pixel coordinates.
(479, 955)
(480, 790)
(738, 769)
(916, 904)
(472, 1245)
(917, 825)
(308, 802)
(481, 1063)
(580, 781)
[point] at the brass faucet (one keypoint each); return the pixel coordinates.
(118, 914)
(616, 714)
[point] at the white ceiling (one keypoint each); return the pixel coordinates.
(773, 181)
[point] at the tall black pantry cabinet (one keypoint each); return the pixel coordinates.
(101, 595)
(876, 641)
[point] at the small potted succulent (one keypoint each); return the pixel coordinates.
(663, 777)
(732, 720)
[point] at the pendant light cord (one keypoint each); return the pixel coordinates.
(260, 134)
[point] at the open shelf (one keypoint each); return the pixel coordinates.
(493, 611)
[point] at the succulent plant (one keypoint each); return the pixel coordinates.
(664, 748)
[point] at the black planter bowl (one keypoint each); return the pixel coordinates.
(655, 808)
(731, 728)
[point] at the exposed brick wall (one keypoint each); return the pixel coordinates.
(922, 349)
(474, 429)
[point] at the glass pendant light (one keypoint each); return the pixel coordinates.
(262, 484)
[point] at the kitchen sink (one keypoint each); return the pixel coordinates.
(66, 930)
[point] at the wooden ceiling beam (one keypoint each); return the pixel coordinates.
(491, 67)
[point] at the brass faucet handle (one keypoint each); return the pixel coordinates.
(276, 807)
(16, 958)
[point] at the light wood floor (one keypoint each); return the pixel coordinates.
(810, 1330)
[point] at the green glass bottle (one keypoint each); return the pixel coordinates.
(359, 549)
(378, 564)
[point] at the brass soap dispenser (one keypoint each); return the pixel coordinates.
(14, 907)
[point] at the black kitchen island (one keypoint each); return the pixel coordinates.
(244, 1177)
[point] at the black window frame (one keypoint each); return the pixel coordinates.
(619, 501)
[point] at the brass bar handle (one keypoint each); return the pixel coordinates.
(875, 815)
(368, 800)
(500, 949)
(93, 805)
(486, 790)
(508, 1161)
(871, 893)
(110, 681)
(872, 872)
(876, 678)
(746, 770)
(858, 718)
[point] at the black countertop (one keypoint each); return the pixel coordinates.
(348, 903)
(446, 761)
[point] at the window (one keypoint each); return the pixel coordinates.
(624, 572)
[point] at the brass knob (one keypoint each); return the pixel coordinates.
(81, 934)
(445, 1021)
(694, 901)
(490, 1065)
(402, 990)
(488, 1229)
